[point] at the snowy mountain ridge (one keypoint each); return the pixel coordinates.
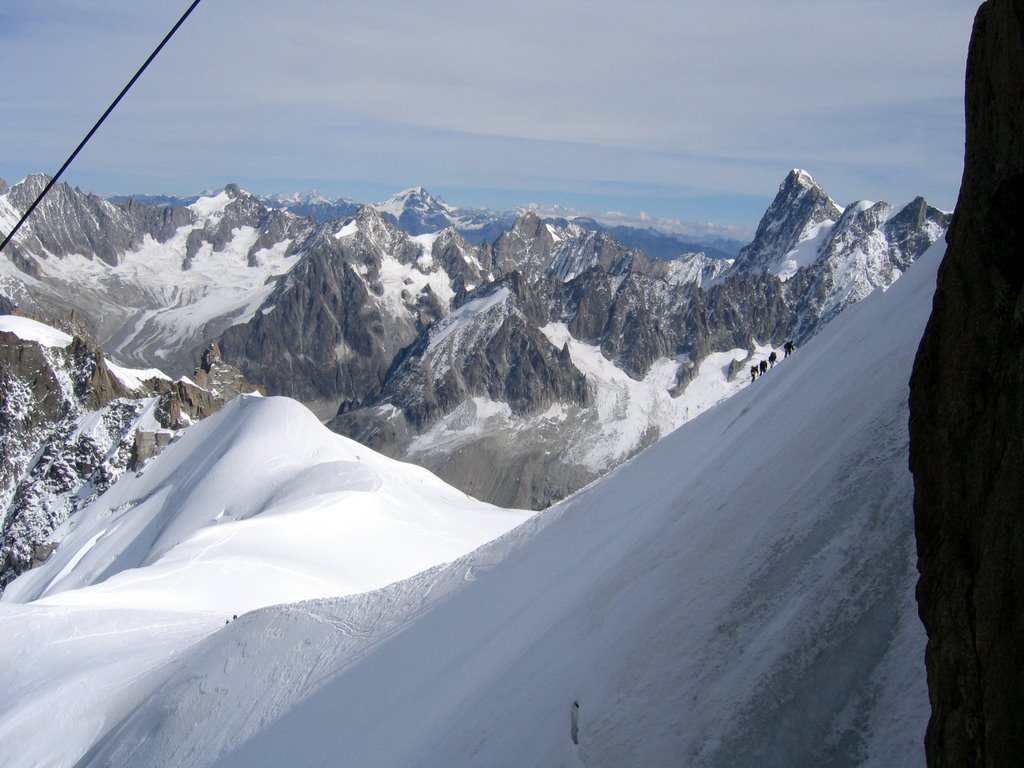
(804, 226)
(71, 423)
(257, 505)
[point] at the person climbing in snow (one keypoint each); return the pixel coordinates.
(764, 367)
(772, 358)
(753, 373)
(788, 348)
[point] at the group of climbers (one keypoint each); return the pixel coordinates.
(761, 368)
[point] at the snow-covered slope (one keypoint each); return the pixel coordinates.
(71, 423)
(258, 504)
(740, 594)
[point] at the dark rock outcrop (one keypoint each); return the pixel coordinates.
(327, 332)
(967, 422)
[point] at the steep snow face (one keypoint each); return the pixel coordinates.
(258, 504)
(804, 252)
(741, 594)
(480, 316)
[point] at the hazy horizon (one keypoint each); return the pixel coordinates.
(680, 110)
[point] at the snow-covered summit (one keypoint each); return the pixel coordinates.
(842, 253)
(800, 213)
(413, 199)
(256, 505)
(418, 212)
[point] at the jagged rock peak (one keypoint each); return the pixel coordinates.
(30, 187)
(799, 207)
(528, 225)
(211, 356)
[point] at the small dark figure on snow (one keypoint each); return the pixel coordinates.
(788, 348)
(764, 367)
(753, 373)
(772, 358)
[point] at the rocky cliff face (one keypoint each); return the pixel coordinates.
(153, 283)
(967, 418)
(70, 222)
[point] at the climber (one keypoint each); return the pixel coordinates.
(763, 367)
(772, 358)
(788, 347)
(753, 373)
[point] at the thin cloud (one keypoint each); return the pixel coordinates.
(683, 97)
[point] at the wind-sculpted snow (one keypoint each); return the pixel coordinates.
(255, 505)
(740, 594)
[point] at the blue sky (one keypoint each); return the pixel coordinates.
(680, 109)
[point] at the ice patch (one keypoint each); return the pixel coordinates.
(348, 230)
(465, 314)
(32, 330)
(133, 378)
(211, 207)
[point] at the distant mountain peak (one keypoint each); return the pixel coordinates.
(413, 199)
(800, 208)
(801, 177)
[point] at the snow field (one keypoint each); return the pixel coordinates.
(256, 505)
(740, 594)
(32, 330)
